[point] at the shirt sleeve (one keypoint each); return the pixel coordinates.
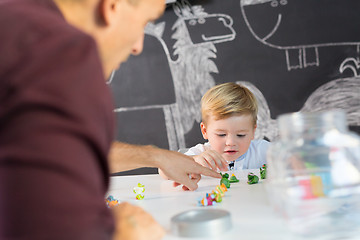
(197, 149)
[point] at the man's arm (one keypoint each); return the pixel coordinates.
(177, 166)
(133, 223)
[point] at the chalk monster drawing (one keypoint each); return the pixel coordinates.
(191, 70)
(342, 93)
(192, 65)
(278, 24)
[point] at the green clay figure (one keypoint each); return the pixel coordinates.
(233, 179)
(252, 178)
(225, 175)
(263, 172)
(225, 180)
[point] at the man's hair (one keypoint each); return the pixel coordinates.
(226, 100)
(132, 2)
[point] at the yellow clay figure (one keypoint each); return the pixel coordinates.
(219, 190)
(139, 190)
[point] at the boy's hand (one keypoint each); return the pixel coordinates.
(212, 159)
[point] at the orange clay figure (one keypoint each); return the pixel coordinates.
(219, 191)
(111, 201)
(223, 187)
(214, 197)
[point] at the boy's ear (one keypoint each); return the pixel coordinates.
(203, 130)
(255, 126)
(108, 10)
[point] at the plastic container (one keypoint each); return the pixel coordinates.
(201, 223)
(313, 174)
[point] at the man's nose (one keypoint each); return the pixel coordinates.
(138, 46)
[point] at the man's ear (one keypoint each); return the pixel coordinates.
(108, 10)
(203, 130)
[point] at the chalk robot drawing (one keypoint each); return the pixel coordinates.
(280, 26)
(191, 70)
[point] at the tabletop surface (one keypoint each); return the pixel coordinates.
(252, 215)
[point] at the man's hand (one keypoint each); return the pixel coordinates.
(174, 165)
(183, 169)
(212, 159)
(133, 223)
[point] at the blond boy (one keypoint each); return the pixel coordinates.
(229, 117)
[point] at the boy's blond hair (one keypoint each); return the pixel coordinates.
(226, 100)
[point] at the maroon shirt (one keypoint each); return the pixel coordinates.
(56, 127)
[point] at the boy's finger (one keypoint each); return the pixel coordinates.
(211, 164)
(215, 162)
(224, 166)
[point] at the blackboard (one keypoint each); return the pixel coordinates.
(295, 55)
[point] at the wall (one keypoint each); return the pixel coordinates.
(295, 55)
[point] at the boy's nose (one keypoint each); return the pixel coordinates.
(230, 141)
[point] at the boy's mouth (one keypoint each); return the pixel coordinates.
(230, 152)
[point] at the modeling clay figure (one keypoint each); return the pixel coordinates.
(139, 190)
(223, 187)
(233, 179)
(207, 200)
(263, 172)
(224, 180)
(111, 201)
(252, 178)
(219, 190)
(217, 196)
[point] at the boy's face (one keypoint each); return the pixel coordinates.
(230, 137)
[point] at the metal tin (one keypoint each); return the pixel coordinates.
(201, 223)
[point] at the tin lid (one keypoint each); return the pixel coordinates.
(201, 223)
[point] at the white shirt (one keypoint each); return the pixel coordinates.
(254, 157)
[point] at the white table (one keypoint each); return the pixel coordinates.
(252, 216)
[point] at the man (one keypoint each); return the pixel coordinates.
(56, 120)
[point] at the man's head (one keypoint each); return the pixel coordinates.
(229, 113)
(117, 25)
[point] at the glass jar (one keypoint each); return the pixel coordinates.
(313, 174)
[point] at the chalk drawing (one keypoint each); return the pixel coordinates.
(302, 47)
(342, 93)
(192, 68)
(266, 126)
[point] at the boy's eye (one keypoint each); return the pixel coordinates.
(221, 135)
(241, 135)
